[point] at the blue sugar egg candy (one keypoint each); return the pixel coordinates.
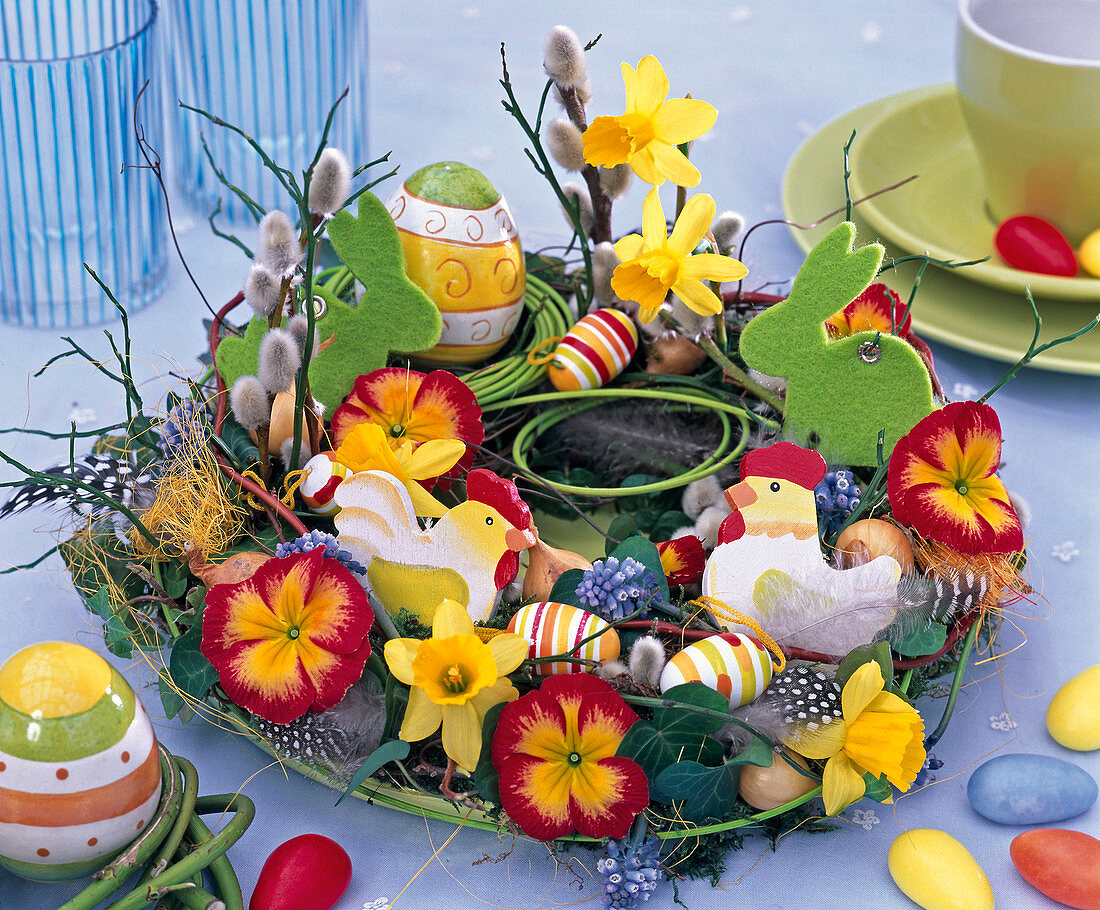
(1026, 789)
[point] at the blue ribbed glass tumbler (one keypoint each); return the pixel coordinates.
(70, 73)
(274, 68)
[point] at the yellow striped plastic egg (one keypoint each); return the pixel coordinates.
(594, 351)
(553, 628)
(79, 767)
(739, 671)
(323, 475)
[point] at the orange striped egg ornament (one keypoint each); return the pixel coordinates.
(594, 351)
(80, 775)
(740, 670)
(554, 628)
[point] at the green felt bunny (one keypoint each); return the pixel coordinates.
(840, 392)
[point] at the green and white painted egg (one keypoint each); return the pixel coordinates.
(80, 774)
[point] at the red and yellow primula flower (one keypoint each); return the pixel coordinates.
(554, 749)
(412, 407)
(683, 559)
(291, 638)
(941, 481)
(877, 309)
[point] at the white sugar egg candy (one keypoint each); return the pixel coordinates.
(323, 475)
(739, 669)
(554, 628)
(80, 773)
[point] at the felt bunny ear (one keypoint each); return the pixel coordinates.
(841, 393)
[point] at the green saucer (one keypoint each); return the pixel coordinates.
(943, 211)
(948, 308)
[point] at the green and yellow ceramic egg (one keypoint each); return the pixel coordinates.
(79, 769)
(461, 247)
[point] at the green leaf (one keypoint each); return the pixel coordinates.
(878, 788)
(565, 589)
(878, 652)
(758, 752)
(670, 521)
(920, 642)
(706, 792)
(173, 578)
(646, 553)
(100, 603)
(117, 637)
(485, 774)
(196, 598)
(169, 697)
(395, 749)
(621, 527)
(99, 558)
(191, 671)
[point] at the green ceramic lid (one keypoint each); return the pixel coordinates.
(455, 184)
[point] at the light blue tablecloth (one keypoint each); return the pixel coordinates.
(777, 71)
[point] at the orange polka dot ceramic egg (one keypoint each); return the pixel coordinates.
(739, 669)
(462, 249)
(554, 628)
(323, 475)
(594, 351)
(80, 774)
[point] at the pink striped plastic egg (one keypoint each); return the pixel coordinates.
(553, 628)
(739, 671)
(594, 351)
(323, 475)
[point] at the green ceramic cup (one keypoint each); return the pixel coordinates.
(1028, 74)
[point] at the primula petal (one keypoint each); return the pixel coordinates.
(861, 687)
(712, 267)
(607, 796)
(462, 735)
(654, 228)
(450, 619)
(698, 297)
(606, 143)
(841, 784)
(337, 616)
(534, 725)
(384, 396)
(509, 651)
(445, 408)
(422, 716)
(691, 225)
(670, 163)
(399, 654)
(682, 559)
(650, 86)
(535, 794)
(682, 119)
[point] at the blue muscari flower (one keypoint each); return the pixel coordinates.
(927, 774)
(331, 546)
(629, 872)
(837, 497)
(183, 422)
(613, 587)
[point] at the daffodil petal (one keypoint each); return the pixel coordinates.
(682, 119)
(424, 504)
(629, 247)
(671, 164)
(630, 281)
(509, 651)
(606, 142)
(462, 735)
(861, 687)
(654, 228)
(650, 86)
(698, 297)
(889, 703)
(399, 654)
(841, 784)
(501, 690)
(422, 716)
(712, 267)
(692, 224)
(435, 458)
(367, 448)
(824, 742)
(451, 618)
(644, 166)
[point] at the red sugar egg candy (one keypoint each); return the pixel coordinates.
(1033, 245)
(308, 872)
(1063, 864)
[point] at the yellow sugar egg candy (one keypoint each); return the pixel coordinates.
(323, 475)
(462, 249)
(936, 872)
(80, 773)
(739, 669)
(1088, 254)
(593, 352)
(554, 628)
(1073, 717)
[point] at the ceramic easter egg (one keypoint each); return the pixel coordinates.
(79, 768)
(554, 628)
(323, 475)
(738, 668)
(462, 248)
(594, 351)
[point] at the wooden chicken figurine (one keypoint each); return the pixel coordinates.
(468, 555)
(768, 562)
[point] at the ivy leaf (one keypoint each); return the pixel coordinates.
(920, 642)
(170, 699)
(192, 673)
(621, 527)
(758, 752)
(116, 633)
(173, 577)
(395, 749)
(879, 652)
(706, 792)
(878, 788)
(670, 521)
(565, 589)
(485, 774)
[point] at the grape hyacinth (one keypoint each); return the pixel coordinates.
(184, 423)
(613, 587)
(927, 774)
(837, 497)
(330, 544)
(629, 872)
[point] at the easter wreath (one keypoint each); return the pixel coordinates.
(245, 541)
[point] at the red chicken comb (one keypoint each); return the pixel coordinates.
(785, 461)
(484, 486)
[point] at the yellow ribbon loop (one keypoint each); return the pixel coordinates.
(291, 482)
(726, 612)
(249, 496)
(533, 356)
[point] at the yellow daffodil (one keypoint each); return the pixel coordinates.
(367, 448)
(454, 678)
(879, 733)
(654, 263)
(646, 136)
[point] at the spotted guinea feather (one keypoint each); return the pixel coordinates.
(115, 478)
